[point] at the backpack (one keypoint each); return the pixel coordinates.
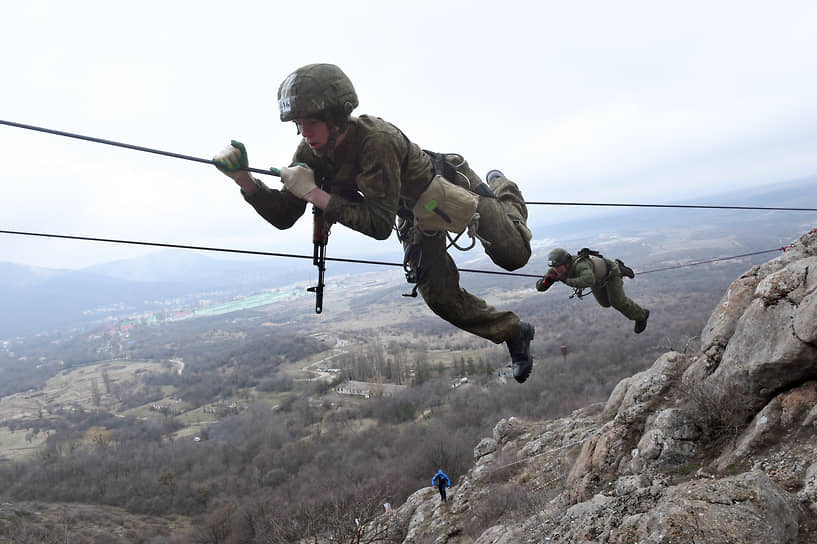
(602, 275)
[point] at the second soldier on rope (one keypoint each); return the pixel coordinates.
(591, 270)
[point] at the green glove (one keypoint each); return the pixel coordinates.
(232, 160)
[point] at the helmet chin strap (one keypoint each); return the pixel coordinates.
(327, 151)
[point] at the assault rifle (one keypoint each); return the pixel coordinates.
(320, 236)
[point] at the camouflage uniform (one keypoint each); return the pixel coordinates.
(590, 272)
(373, 172)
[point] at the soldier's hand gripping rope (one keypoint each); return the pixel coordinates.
(299, 180)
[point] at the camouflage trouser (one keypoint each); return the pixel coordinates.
(612, 294)
(502, 225)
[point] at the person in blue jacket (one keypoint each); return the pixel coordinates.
(441, 481)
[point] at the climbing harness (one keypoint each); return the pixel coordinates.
(411, 238)
(454, 172)
(447, 205)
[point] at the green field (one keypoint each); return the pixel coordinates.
(19, 444)
(247, 303)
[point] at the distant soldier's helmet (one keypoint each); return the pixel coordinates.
(316, 90)
(558, 257)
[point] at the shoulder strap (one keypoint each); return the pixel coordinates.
(442, 166)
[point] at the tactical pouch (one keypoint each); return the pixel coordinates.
(444, 206)
(601, 269)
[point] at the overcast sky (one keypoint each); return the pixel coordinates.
(577, 101)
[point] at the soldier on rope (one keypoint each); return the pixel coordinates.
(591, 270)
(364, 173)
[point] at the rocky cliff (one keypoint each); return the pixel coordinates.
(716, 446)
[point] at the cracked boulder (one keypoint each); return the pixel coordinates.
(773, 345)
(745, 508)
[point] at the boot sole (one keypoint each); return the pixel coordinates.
(522, 369)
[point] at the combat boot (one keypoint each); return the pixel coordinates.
(625, 270)
(508, 194)
(493, 174)
(483, 189)
(641, 324)
(519, 348)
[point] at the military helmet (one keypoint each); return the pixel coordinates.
(316, 90)
(558, 257)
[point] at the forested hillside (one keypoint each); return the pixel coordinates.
(291, 448)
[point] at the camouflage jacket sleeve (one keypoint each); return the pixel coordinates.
(378, 181)
(279, 208)
(582, 275)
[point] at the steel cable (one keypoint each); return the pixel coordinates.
(357, 261)
(334, 259)
(268, 172)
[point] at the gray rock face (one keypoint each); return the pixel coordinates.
(762, 338)
(745, 508)
(485, 446)
(508, 429)
(671, 436)
(718, 446)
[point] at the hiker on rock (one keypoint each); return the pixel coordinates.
(363, 172)
(441, 481)
(591, 270)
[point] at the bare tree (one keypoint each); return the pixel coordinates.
(96, 396)
(106, 379)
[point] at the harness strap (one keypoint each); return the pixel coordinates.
(442, 166)
(585, 253)
(411, 237)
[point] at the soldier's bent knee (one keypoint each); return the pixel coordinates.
(509, 256)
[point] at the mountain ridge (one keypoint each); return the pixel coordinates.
(38, 298)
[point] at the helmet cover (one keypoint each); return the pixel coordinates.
(316, 90)
(558, 257)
